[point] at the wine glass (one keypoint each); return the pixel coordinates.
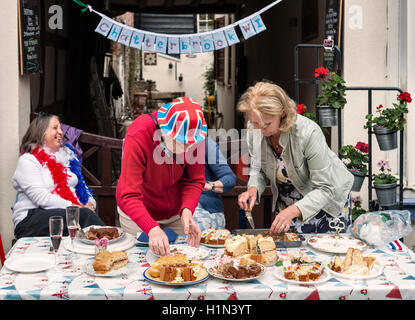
(55, 232)
(72, 222)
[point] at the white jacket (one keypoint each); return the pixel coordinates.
(34, 185)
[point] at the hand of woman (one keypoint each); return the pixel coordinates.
(191, 228)
(246, 200)
(158, 241)
(282, 221)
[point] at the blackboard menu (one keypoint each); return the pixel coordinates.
(29, 36)
(332, 29)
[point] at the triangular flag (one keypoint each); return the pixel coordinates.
(313, 296)
(395, 293)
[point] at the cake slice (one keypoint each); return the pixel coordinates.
(236, 246)
(108, 261)
(268, 250)
(338, 264)
(348, 261)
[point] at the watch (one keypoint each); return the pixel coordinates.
(213, 185)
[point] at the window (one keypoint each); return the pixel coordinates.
(205, 22)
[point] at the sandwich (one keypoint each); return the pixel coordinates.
(109, 261)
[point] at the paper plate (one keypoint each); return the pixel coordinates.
(127, 242)
(215, 246)
(279, 273)
(149, 278)
(335, 244)
(28, 262)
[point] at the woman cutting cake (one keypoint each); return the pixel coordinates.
(309, 183)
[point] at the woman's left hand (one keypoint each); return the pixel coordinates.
(282, 221)
(191, 228)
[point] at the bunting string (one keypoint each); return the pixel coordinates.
(179, 43)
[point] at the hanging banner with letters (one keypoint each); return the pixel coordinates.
(181, 43)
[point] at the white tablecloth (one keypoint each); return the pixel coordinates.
(396, 282)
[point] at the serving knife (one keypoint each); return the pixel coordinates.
(248, 215)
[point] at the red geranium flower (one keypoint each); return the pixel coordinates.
(405, 97)
(379, 107)
(301, 108)
(363, 147)
(321, 72)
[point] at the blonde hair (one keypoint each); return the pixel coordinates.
(270, 99)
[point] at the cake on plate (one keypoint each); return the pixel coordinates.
(302, 272)
(99, 233)
(215, 236)
(107, 261)
(353, 264)
(177, 268)
(249, 247)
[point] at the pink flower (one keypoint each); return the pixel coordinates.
(383, 164)
(104, 241)
(356, 199)
(97, 242)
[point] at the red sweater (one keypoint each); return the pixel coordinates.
(148, 191)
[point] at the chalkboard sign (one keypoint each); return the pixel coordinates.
(333, 29)
(29, 36)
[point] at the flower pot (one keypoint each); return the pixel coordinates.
(359, 177)
(327, 116)
(386, 194)
(387, 139)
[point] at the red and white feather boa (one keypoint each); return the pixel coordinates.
(59, 174)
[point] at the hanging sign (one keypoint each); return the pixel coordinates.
(184, 43)
(29, 37)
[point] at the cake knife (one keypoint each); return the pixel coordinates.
(248, 215)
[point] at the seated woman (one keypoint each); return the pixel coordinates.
(48, 179)
(219, 178)
(309, 183)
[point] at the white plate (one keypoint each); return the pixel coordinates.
(188, 283)
(213, 245)
(29, 262)
(213, 272)
(127, 242)
(375, 272)
(279, 273)
(89, 269)
(335, 244)
(189, 251)
(91, 242)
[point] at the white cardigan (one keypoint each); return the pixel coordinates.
(34, 184)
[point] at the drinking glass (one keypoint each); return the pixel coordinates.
(72, 222)
(55, 232)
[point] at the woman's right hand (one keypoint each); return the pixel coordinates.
(158, 241)
(246, 200)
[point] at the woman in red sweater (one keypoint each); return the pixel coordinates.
(163, 174)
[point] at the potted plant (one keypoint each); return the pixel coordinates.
(389, 121)
(332, 98)
(302, 109)
(356, 160)
(357, 209)
(385, 185)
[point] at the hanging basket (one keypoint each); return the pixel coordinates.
(387, 139)
(327, 116)
(386, 194)
(359, 177)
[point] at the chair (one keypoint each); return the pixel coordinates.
(2, 255)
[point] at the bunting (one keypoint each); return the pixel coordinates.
(181, 43)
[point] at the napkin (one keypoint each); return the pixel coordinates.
(171, 235)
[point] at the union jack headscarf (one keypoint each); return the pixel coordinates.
(183, 120)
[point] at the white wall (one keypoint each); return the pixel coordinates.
(14, 114)
(191, 68)
(371, 58)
